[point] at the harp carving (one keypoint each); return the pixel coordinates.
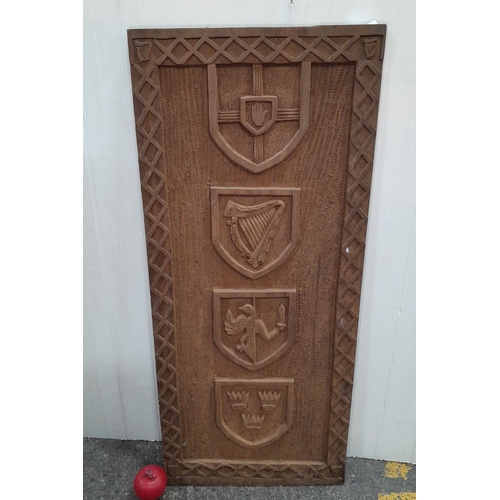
(253, 228)
(143, 50)
(371, 45)
(261, 236)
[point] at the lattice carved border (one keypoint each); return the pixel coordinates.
(146, 92)
(149, 49)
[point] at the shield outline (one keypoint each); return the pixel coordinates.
(220, 293)
(238, 191)
(261, 98)
(213, 111)
(232, 435)
(143, 50)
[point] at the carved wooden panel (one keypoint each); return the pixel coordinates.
(255, 153)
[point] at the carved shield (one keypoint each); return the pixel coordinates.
(254, 120)
(253, 327)
(254, 413)
(143, 50)
(255, 229)
(253, 113)
(371, 46)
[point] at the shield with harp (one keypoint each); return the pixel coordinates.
(256, 121)
(143, 50)
(371, 46)
(255, 229)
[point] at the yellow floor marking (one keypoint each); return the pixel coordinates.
(396, 469)
(398, 496)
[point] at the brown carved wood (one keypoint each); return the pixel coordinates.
(255, 153)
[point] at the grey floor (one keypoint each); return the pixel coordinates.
(109, 468)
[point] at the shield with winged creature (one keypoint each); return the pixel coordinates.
(253, 327)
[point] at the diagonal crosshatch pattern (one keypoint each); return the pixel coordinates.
(336, 44)
(265, 49)
(362, 147)
(159, 254)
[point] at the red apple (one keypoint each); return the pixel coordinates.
(150, 482)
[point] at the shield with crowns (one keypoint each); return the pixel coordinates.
(254, 412)
(256, 119)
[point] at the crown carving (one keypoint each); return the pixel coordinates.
(253, 421)
(238, 400)
(269, 400)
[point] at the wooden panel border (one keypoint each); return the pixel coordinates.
(148, 50)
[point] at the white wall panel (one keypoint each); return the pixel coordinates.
(119, 375)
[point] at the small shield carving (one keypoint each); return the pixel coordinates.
(371, 46)
(143, 50)
(253, 113)
(258, 112)
(254, 413)
(253, 328)
(255, 229)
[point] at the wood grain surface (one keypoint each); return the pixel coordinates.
(256, 150)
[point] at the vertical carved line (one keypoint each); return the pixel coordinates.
(258, 80)
(258, 89)
(254, 335)
(305, 98)
(258, 149)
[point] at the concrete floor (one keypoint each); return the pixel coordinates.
(109, 468)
